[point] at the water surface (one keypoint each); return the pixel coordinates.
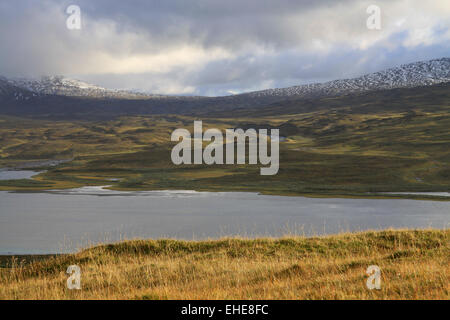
(6, 174)
(63, 221)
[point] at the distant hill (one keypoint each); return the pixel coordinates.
(58, 97)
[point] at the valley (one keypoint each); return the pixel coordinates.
(350, 146)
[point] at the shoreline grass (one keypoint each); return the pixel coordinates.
(415, 264)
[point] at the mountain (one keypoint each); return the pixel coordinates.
(415, 74)
(58, 85)
(8, 90)
(61, 97)
(405, 76)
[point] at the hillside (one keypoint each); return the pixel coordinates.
(414, 265)
(399, 99)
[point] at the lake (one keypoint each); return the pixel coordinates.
(63, 221)
(16, 174)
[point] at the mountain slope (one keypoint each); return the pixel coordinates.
(415, 74)
(10, 91)
(58, 85)
(375, 101)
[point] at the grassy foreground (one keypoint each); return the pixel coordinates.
(414, 265)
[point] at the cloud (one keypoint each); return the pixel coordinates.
(217, 47)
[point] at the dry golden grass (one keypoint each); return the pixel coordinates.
(414, 265)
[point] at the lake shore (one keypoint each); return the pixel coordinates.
(414, 265)
(35, 184)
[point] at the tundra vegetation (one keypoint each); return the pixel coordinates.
(414, 265)
(350, 146)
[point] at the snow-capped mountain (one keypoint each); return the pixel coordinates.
(59, 95)
(8, 90)
(415, 74)
(405, 76)
(58, 85)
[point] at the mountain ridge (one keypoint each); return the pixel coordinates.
(60, 97)
(418, 73)
(406, 75)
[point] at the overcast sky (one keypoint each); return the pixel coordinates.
(209, 47)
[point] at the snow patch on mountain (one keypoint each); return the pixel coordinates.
(422, 73)
(58, 85)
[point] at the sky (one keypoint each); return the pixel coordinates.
(209, 47)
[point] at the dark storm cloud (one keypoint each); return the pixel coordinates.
(217, 47)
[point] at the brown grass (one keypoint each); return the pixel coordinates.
(414, 265)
